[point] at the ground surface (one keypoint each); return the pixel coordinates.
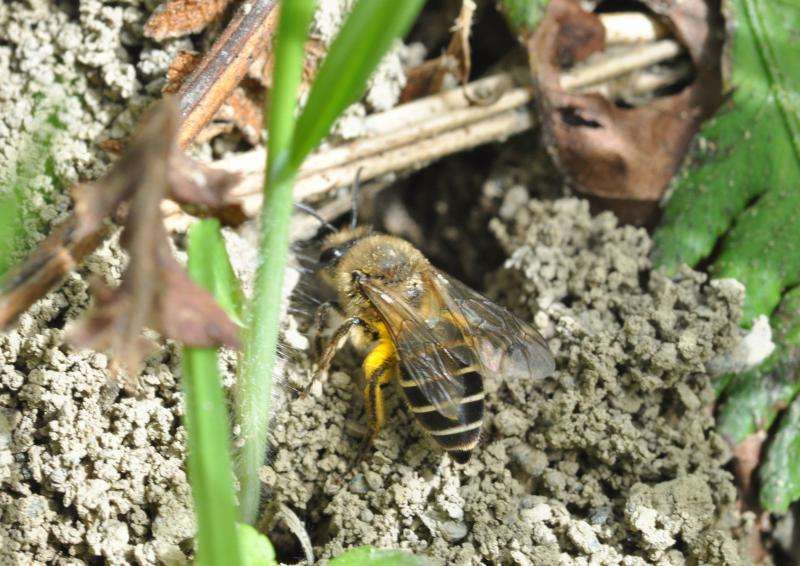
(611, 461)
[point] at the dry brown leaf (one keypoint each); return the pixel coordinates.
(623, 157)
(430, 77)
(204, 191)
(243, 109)
(315, 50)
(179, 69)
(176, 18)
(155, 291)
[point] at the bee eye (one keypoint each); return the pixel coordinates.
(331, 256)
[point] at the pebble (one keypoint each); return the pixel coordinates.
(453, 531)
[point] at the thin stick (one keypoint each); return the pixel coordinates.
(632, 27)
(412, 156)
(642, 82)
(429, 128)
(223, 67)
(615, 65)
(248, 164)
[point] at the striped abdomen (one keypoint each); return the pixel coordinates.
(458, 437)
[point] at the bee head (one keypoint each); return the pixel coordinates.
(336, 246)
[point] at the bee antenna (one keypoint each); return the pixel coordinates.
(356, 188)
(308, 210)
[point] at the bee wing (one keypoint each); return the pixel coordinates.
(504, 344)
(422, 345)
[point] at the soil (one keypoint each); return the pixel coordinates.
(613, 460)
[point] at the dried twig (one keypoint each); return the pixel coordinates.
(610, 66)
(632, 27)
(415, 133)
(224, 66)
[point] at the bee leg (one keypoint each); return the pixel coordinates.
(321, 318)
(379, 366)
(337, 342)
(373, 402)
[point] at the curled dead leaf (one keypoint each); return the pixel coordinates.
(204, 191)
(155, 291)
(432, 76)
(176, 18)
(623, 157)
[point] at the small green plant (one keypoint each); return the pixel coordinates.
(368, 32)
(206, 418)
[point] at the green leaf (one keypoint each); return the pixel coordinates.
(523, 15)
(206, 419)
(368, 556)
(780, 472)
(216, 267)
(749, 153)
(754, 398)
(256, 548)
(370, 29)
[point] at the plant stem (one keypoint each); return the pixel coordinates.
(209, 462)
(254, 392)
(206, 418)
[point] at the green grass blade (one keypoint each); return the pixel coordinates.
(367, 34)
(368, 556)
(254, 390)
(206, 419)
(215, 268)
(364, 39)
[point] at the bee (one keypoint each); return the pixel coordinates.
(428, 331)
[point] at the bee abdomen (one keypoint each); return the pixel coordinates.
(459, 436)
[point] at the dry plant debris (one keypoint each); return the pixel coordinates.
(243, 109)
(433, 75)
(155, 290)
(176, 18)
(623, 156)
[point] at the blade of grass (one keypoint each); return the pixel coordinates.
(206, 419)
(254, 390)
(365, 37)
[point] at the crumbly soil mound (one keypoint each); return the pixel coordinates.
(611, 461)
